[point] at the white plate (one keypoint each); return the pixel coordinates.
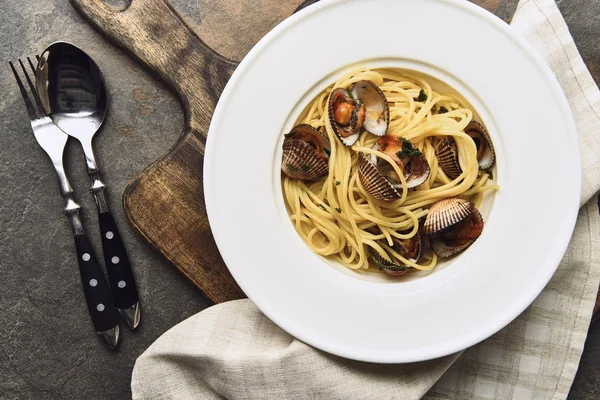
(483, 289)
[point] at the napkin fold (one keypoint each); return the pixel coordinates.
(233, 351)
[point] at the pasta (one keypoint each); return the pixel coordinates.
(334, 214)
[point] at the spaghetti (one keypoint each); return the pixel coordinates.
(338, 219)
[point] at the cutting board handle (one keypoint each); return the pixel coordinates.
(165, 203)
(154, 33)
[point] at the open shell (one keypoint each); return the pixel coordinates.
(447, 155)
(378, 177)
(445, 213)
(347, 125)
(447, 152)
(486, 155)
(442, 249)
(376, 106)
(305, 153)
(374, 182)
(403, 248)
(419, 173)
(416, 170)
(312, 136)
(363, 107)
(453, 225)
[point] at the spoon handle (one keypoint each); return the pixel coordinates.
(120, 275)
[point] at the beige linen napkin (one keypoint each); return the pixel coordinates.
(232, 351)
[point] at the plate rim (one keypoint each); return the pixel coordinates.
(572, 210)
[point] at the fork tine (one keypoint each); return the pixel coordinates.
(28, 104)
(36, 96)
(31, 65)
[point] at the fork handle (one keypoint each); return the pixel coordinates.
(97, 294)
(120, 275)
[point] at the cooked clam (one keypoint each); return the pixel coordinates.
(363, 107)
(410, 160)
(347, 116)
(447, 153)
(380, 179)
(377, 112)
(374, 182)
(305, 153)
(453, 225)
(411, 249)
(485, 149)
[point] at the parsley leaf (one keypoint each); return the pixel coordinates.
(443, 110)
(422, 96)
(304, 168)
(291, 168)
(337, 183)
(408, 150)
(323, 207)
(338, 210)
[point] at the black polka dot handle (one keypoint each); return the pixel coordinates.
(120, 275)
(96, 290)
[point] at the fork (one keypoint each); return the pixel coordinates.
(52, 140)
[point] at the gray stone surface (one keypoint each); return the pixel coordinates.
(47, 345)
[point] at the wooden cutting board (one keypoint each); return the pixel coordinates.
(165, 203)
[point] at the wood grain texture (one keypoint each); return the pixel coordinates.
(165, 203)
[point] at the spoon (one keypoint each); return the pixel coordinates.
(73, 95)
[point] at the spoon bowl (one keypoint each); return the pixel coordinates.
(72, 90)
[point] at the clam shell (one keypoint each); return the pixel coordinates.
(398, 243)
(347, 141)
(489, 155)
(412, 180)
(446, 213)
(393, 268)
(373, 181)
(447, 155)
(377, 108)
(301, 161)
(353, 137)
(388, 267)
(443, 250)
(307, 133)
